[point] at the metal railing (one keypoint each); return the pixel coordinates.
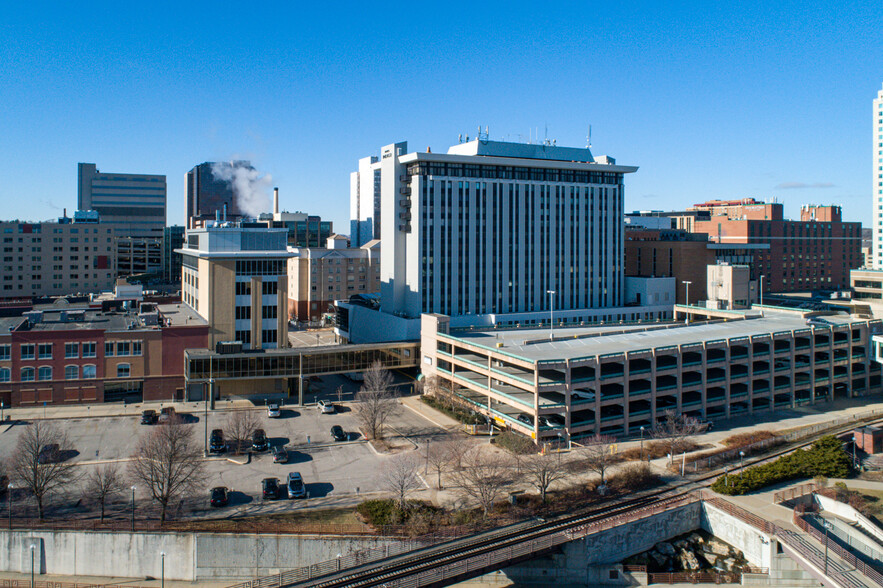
(847, 556)
(791, 493)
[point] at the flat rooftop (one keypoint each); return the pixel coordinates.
(534, 344)
(95, 319)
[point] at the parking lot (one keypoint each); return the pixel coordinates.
(335, 473)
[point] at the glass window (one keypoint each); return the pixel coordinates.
(123, 370)
(44, 373)
(108, 349)
(88, 372)
(71, 372)
(71, 350)
(5, 374)
(27, 351)
(89, 349)
(45, 350)
(5, 351)
(27, 374)
(123, 348)
(136, 347)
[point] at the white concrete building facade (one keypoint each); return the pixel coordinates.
(877, 243)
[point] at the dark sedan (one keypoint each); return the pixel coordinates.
(270, 488)
(219, 496)
(149, 417)
(338, 434)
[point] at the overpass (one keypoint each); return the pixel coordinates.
(289, 366)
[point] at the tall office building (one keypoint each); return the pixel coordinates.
(365, 202)
(173, 238)
(136, 203)
(492, 227)
(207, 196)
(877, 244)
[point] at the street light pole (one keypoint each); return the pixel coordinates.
(162, 555)
(9, 489)
(741, 463)
(687, 283)
(854, 441)
(551, 311)
(761, 294)
(827, 526)
(642, 443)
(133, 509)
(33, 549)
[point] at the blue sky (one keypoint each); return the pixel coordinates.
(726, 100)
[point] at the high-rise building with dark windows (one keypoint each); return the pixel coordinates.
(134, 202)
(208, 196)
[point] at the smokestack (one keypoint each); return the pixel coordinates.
(275, 200)
(225, 212)
(217, 216)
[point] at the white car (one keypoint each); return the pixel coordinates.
(273, 411)
(325, 407)
(583, 394)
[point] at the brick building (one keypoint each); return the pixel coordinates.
(75, 354)
(670, 253)
(814, 253)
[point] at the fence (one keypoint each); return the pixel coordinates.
(792, 493)
(836, 532)
(694, 578)
(9, 583)
(844, 554)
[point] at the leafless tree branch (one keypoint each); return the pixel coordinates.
(39, 462)
(398, 475)
(103, 483)
(484, 476)
(375, 401)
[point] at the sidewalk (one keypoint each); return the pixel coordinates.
(25, 579)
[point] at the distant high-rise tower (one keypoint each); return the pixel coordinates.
(365, 202)
(135, 202)
(207, 195)
(877, 243)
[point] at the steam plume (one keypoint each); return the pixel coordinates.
(248, 185)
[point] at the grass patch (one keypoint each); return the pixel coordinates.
(452, 410)
(742, 439)
(654, 450)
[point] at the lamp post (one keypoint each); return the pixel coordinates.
(33, 549)
(741, 463)
(827, 526)
(162, 555)
(2, 406)
(9, 489)
(854, 441)
(551, 311)
(687, 283)
(642, 443)
(726, 476)
(133, 509)
(761, 294)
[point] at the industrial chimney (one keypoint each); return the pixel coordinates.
(275, 200)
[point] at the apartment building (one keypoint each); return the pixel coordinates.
(56, 258)
(76, 354)
(365, 201)
(614, 380)
(237, 280)
(319, 276)
(814, 253)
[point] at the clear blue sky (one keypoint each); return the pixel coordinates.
(720, 100)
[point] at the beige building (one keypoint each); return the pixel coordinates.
(236, 279)
(56, 258)
(319, 276)
(730, 287)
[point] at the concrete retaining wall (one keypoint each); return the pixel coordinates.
(757, 547)
(188, 556)
(850, 514)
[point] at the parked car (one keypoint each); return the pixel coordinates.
(259, 441)
(149, 417)
(296, 488)
(338, 434)
(552, 420)
(525, 418)
(326, 407)
(166, 414)
(49, 454)
(216, 442)
(273, 411)
(219, 496)
(270, 488)
(583, 394)
(280, 455)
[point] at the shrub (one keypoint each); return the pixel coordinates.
(385, 512)
(452, 410)
(825, 458)
(743, 439)
(633, 477)
(654, 450)
(515, 444)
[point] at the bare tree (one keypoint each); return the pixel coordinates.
(599, 455)
(457, 447)
(543, 470)
(439, 458)
(484, 476)
(676, 432)
(39, 462)
(103, 483)
(240, 426)
(375, 401)
(168, 462)
(398, 475)
(339, 394)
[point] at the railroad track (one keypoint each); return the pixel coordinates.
(396, 570)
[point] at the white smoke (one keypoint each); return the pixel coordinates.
(248, 185)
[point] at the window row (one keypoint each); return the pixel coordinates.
(122, 348)
(71, 372)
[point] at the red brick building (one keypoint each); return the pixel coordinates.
(814, 253)
(73, 355)
(669, 253)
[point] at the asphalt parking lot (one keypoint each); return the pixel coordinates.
(333, 472)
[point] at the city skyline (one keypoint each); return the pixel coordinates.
(727, 102)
